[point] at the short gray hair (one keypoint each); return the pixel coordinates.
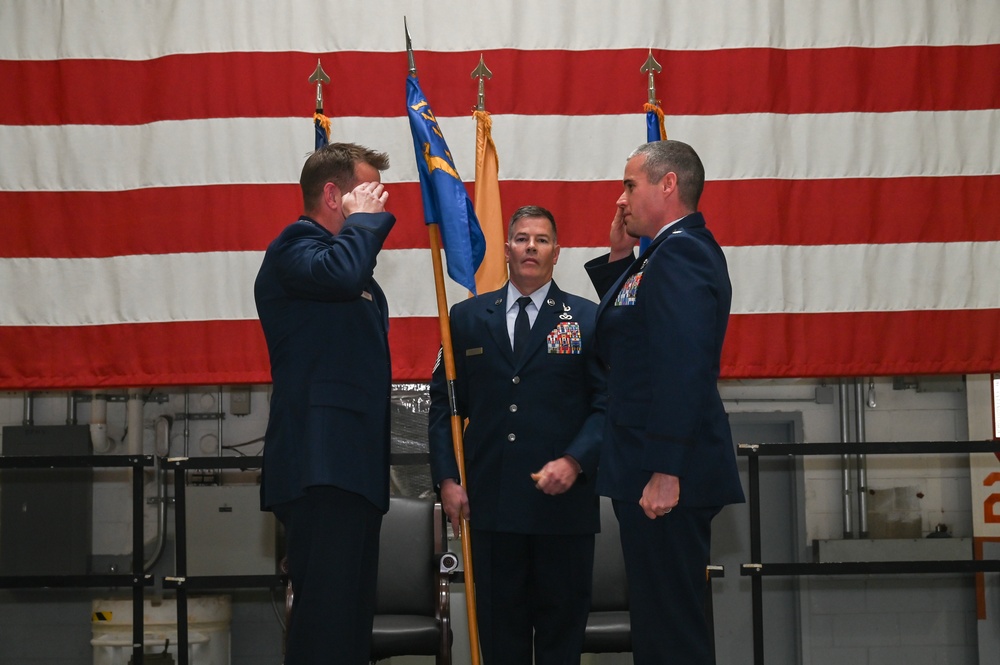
(531, 211)
(662, 157)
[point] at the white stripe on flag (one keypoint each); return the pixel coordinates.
(766, 280)
(129, 30)
(733, 147)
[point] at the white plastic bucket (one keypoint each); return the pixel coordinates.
(209, 619)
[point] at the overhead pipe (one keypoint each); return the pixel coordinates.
(133, 439)
(187, 422)
(845, 463)
(29, 408)
(220, 413)
(134, 446)
(70, 409)
(862, 460)
(161, 448)
(99, 441)
(161, 436)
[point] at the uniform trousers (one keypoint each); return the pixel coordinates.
(665, 561)
(532, 589)
(332, 538)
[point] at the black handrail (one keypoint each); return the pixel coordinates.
(181, 582)
(756, 569)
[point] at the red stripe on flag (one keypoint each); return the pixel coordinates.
(861, 344)
(740, 212)
(138, 354)
(414, 343)
(211, 218)
(853, 210)
(176, 353)
(757, 346)
(745, 80)
(158, 220)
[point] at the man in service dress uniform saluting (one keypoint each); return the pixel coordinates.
(326, 449)
(667, 461)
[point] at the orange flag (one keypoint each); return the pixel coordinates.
(492, 273)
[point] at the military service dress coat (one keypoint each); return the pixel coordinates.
(661, 324)
(326, 323)
(522, 413)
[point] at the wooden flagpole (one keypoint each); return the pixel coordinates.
(448, 355)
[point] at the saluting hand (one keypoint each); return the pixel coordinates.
(366, 197)
(621, 242)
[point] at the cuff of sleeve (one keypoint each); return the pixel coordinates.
(574, 463)
(458, 482)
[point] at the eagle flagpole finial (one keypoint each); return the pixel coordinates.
(651, 66)
(409, 50)
(481, 72)
(319, 77)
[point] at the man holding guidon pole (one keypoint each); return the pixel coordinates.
(529, 383)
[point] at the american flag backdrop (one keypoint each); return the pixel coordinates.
(149, 152)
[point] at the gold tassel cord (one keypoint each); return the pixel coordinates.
(324, 122)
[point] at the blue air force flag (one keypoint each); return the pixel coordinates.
(446, 203)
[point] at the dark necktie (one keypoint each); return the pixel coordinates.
(521, 326)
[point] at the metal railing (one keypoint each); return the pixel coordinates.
(181, 582)
(136, 580)
(757, 569)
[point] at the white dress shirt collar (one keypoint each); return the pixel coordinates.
(537, 297)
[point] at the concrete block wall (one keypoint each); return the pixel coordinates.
(890, 620)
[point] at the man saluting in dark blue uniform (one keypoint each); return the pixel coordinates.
(667, 461)
(326, 450)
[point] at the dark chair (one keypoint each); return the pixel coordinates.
(608, 627)
(412, 607)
